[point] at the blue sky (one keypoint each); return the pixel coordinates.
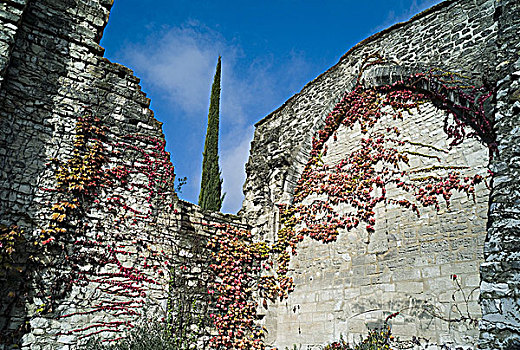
(270, 50)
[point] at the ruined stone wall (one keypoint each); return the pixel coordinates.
(407, 263)
(351, 285)
(500, 273)
(85, 177)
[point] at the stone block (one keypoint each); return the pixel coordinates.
(409, 287)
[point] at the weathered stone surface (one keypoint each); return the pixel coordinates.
(10, 18)
(345, 286)
(500, 274)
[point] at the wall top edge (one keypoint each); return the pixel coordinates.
(356, 47)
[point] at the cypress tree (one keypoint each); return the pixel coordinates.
(210, 197)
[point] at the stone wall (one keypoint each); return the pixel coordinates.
(85, 176)
(10, 18)
(407, 264)
(347, 286)
(43, 87)
(173, 287)
(500, 273)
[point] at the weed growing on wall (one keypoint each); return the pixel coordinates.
(376, 339)
(11, 240)
(149, 335)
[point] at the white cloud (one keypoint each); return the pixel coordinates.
(181, 62)
(233, 162)
(414, 8)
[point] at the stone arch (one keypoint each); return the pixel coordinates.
(376, 76)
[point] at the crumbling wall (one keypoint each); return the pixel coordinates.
(105, 241)
(421, 264)
(43, 70)
(86, 180)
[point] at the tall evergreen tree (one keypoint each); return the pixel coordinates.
(210, 197)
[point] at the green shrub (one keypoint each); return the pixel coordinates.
(377, 339)
(148, 335)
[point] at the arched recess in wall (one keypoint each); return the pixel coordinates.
(380, 158)
(373, 77)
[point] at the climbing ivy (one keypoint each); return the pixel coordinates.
(11, 238)
(361, 179)
(236, 263)
(77, 244)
